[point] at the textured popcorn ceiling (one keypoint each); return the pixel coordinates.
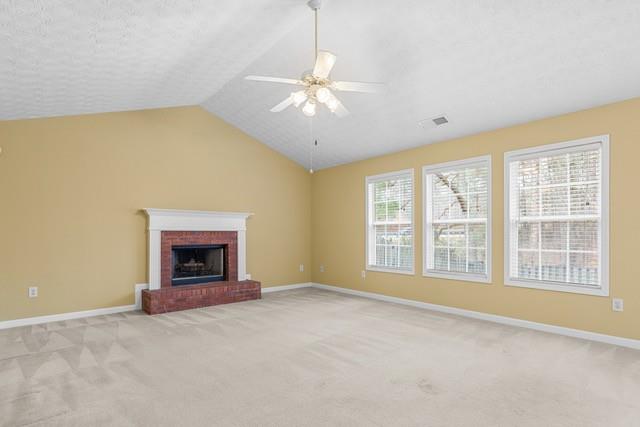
(62, 57)
(484, 64)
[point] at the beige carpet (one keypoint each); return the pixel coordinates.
(310, 357)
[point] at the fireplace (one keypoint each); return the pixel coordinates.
(196, 259)
(198, 264)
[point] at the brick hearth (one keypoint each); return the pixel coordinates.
(202, 295)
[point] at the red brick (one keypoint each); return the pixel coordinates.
(202, 295)
(169, 238)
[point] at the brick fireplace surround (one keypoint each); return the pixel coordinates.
(169, 228)
(174, 238)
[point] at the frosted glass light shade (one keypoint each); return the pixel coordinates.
(323, 94)
(309, 109)
(332, 103)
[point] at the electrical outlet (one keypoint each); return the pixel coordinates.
(363, 274)
(617, 304)
(247, 276)
(33, 292)
(301, 268)
(322, 269)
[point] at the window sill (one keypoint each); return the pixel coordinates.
(559, 287)
(389, 270)
(462, 277)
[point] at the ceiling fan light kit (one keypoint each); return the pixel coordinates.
(323, 94)
(318, 86)
(309, 108)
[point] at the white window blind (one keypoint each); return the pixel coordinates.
(457, 219)
(390, 222)
(556, 228)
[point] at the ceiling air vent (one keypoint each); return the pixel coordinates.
(440, 120)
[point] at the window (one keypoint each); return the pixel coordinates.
(457, 230)
(556, 236)
(390, 222)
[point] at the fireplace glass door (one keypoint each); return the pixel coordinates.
(198, 264)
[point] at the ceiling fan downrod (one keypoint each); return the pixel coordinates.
(315, 5)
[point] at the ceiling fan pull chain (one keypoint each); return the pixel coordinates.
(313, 144)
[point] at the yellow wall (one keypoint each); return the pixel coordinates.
(338, 225)
(71, 190)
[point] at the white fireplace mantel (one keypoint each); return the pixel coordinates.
(181, 220)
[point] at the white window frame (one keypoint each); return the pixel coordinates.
(555, 149)
(368, 214)
(426, 212)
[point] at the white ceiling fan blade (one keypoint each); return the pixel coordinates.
(340, 110)
(284, 104)
(274, 80)
(359, 87)
(324, 63)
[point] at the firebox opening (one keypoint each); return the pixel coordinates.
(198, 264)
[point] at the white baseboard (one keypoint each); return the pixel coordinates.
(286, 287)
(65, 316)
(560, 330)
(111, 310)
(138, 294)
(78, 314)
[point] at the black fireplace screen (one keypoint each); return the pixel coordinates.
(198, 264)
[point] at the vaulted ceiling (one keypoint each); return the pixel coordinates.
(484, 65)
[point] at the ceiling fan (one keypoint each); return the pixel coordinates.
(317, 84)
